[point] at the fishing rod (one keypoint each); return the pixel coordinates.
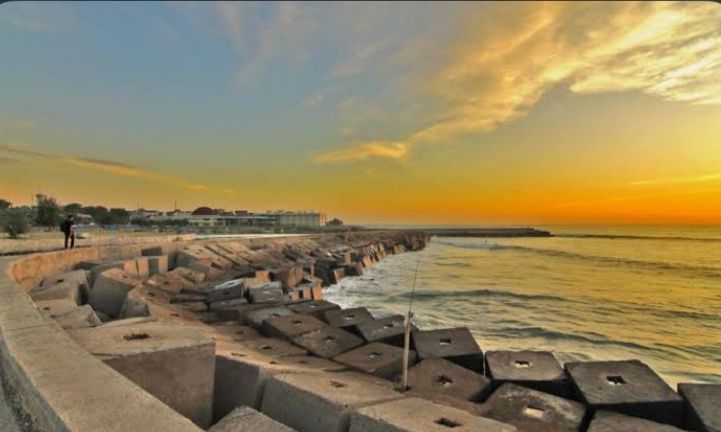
(407, 334)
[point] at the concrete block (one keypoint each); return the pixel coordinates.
(608, 421)
(232, 332)
(193, 255)
(158, 264)
(142, 267)
(196, 307)
(348, 317)
(188, 298)
(137, 299)
(533, 369)
(163, 312)
(55, 307)
(388, 330)
(320, 402)
(439, 376)
(533, 411)
(355, 269)
(79, 317)
(240, 313)
(378, 359)
(225, 304)
(240, 377)
(170, 361)
(317, 308)
(110, 289)
(335, 275)
(255, 318)
(290, 326)
(629, 387)
(300, 293)
(420, 415)
(366, 261)
(310, 362)
(328, 342)
(234, 288)
(72, 285)
(454, 344)
(152, 251)
(188, 274)
(274, 347)
(170, 282)
(703, 406)
(290, 277)
(247, 419)
(270, 292)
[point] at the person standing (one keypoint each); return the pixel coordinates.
(68, 228)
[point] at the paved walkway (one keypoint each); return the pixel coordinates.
(8, 423)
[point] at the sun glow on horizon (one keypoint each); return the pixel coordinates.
(501, 113)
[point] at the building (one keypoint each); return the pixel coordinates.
(301, 219)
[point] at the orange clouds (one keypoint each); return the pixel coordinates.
(509, 55)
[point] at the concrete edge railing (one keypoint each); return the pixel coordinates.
(55, 382)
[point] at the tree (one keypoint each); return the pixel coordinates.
(48, 212)
(72, 208)
(15, 222)
(335, 222)
(120, 216)
(5, 204)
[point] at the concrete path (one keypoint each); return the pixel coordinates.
(8, 423)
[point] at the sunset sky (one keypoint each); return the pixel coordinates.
(400, 113)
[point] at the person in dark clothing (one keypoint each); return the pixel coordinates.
(68, 228)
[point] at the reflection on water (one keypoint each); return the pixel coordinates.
(612, 295)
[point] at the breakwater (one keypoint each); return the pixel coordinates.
(207, 327)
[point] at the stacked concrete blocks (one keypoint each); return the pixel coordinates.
(320, 402)
(291, 326)
(317, 308)
(533, 369)
(110, 290)
(434, 376)
(328, 342)
(533, 411)
(169, 361)
(454, 344)
(703, 406)
(608, 421)
(348, 317)
(378, 359)
(628, 387)
(248, 419)
(420, 415)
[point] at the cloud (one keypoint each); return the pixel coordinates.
(385, 150)
(259, 36)
(112, 167)
(677, 180)
(503, 60)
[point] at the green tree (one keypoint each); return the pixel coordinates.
(72, 208)
(120, 216)
(48, 212)
(5, 204)
(335, 222)
(14, 222)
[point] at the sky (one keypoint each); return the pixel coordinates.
(398, 113)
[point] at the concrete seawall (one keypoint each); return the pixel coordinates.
(58, 385)
(233, 334)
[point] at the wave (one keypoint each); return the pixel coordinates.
(637, 237)
(703, 271)
(432, 294)
(552, 335)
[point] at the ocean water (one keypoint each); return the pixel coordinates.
(652, 294)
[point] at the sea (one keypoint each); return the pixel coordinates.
(586, 293)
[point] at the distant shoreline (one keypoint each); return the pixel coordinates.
(485, 232)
